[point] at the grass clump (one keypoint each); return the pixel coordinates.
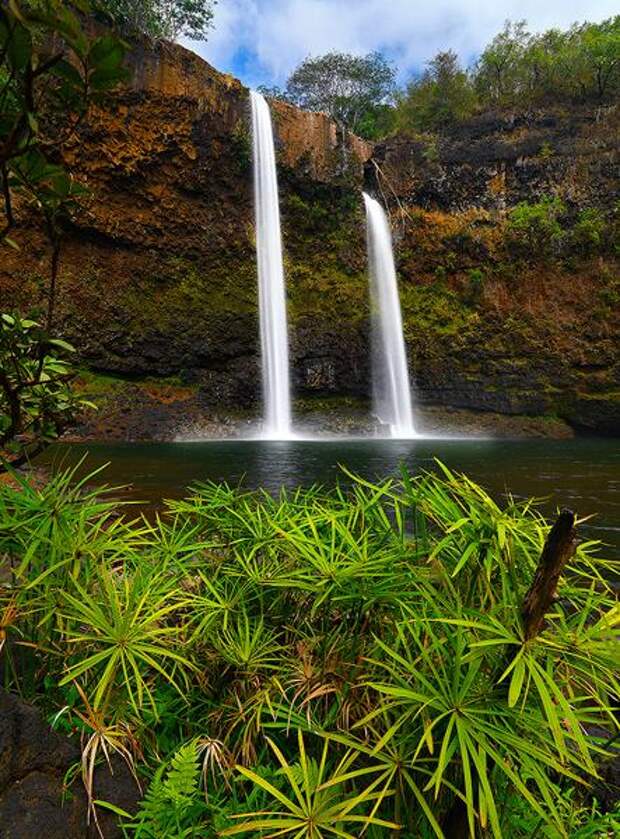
(322, 663)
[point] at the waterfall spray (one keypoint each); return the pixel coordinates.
(272, 299)
(392, 392)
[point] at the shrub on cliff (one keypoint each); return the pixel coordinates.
(589, 232)
(533, 231)
(332, 661)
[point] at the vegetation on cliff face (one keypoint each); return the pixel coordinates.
(317, 662)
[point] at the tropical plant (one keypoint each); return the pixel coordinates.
(316, 803)
(118, 631)
(361, 654)
(36, 399)
(50, 73)
(174, 805)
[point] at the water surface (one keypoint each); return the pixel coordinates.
(581, 474)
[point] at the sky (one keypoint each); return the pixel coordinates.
(262, 41)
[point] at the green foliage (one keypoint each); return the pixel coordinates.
(36, 400)
(359, 655)
(499, 73)
(582, 821)
(475, 284)
(580, 64)
(588, 232)
(317, 803)
(533, 231)
(162, 18)
(242, 146)
(546, 151)
(353, 90)
(441, 97)
(117, 632)
(517, 69)
(174, 806)
(50, 73)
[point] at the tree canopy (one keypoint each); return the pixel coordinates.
(516, 69)
(163, 18)
(582, 63)
(354, 90)
(442, 95)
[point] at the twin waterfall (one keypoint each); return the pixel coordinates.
(392, 395)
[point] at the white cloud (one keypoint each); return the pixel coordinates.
(263, 40)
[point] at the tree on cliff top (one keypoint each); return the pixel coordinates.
(163, 18)
(441, 96)
(354, 90)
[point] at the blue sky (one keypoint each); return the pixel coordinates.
(261, 41)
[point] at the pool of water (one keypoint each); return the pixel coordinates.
(581, 474)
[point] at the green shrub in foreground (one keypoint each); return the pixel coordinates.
(321, 663)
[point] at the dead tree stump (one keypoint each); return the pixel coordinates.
(559, 548)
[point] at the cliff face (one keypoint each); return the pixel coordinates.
(532, 336)
(158, 271)
(496, 160)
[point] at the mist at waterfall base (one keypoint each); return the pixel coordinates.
(271, 289)
(391, 388)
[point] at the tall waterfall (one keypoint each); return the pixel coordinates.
(392, 393)
(271, 293)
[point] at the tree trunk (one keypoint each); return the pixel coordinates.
(559, 548)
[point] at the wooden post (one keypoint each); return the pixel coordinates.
(559, 548)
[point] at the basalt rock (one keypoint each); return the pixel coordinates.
(497, 160)
(34, 761)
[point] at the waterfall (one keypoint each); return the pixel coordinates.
(392, 393)
(271, 293)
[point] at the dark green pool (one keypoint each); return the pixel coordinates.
(582, 474)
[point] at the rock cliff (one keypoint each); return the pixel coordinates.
(158, 270)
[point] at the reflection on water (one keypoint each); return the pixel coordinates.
(581, 474)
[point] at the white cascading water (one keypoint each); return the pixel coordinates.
(392, 392)
(271, 290)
